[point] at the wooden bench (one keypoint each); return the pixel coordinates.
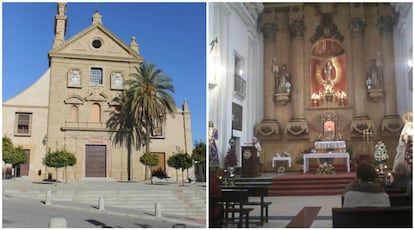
(256, 191)
(374, 217)
(233, 201)
(304, 218)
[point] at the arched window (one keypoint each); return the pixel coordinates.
(95, 113)
(74, 113)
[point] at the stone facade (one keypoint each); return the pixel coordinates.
(70, 105)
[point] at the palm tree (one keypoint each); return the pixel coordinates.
(124, 129)
(145, 102)
(151, 100)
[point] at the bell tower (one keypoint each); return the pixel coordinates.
(60, 25)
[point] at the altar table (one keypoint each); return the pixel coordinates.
(275, 159)
(307, 156)
(330, 145)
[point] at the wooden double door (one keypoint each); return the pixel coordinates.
(95, 160)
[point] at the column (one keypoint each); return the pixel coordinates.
(360, 118)
(269, 34)
(391, 123)
(297, 127)
(268, 128)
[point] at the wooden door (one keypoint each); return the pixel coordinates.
(95, 161)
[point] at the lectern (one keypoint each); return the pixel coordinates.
(250, 162)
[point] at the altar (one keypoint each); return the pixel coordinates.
(307, 156)
(331, 145)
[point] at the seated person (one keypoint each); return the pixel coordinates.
(402, 176)
(216, 213)
(365, 191)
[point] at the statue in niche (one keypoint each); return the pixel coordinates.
(374, 74)
(282, 77)
(328, 76)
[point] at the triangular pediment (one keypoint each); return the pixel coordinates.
(111, 48)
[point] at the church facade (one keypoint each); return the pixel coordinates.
(69, 105)
(323, 71)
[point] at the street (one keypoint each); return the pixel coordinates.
(28, 213)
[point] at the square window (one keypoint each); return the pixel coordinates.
(96, 76)
(23, 124)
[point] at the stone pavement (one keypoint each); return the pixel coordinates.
(133, 199)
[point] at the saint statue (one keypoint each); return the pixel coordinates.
(281, 77)
(212, 140)
(327, 71)
(257, 145)
(406, 136)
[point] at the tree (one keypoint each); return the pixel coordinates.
(150, 97)
(59, 159)
(144, 104)
(173, 162)
(125, 130)
(149, 160)
(181, 161)
(199, 157)
(13, 155)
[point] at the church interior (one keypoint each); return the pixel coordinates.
(335, 78)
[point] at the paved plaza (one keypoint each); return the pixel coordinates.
(80, 197)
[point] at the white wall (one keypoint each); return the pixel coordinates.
(403, 48)
(235, 26)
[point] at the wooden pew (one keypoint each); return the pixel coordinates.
(375, 217)
(256, 191)
(233, 202)
(304, 218)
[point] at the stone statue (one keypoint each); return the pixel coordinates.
(282, 78)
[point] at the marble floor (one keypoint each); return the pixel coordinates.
(284, 208)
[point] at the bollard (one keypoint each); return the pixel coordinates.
(57, 222)
(101, 203)
(48, 197)
(157, 209)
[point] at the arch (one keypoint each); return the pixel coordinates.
(74, 113)
(95, 115)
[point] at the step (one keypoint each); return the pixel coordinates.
(307, 192)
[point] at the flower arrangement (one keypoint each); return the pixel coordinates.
(380, 152)
(286, 154)
(231, 158)
(325, 169)
(281, 169)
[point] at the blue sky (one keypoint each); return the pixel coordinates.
(171, 36)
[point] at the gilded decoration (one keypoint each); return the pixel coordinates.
(328, 74)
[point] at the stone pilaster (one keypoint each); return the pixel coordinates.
(268, 128)
(297, 127)
(391, 123)
(360, 121)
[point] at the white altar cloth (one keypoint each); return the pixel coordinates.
(330, 145)
(307, 156)
(275, 159)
